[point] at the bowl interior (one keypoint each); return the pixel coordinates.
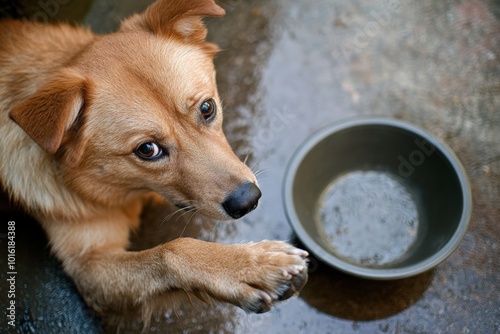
(412, 180)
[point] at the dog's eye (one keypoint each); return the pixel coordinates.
(208, 109)
(149, 151)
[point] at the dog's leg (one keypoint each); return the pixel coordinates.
(252, 276)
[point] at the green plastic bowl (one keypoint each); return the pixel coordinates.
(377, 198)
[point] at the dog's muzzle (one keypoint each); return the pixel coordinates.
(242, 200)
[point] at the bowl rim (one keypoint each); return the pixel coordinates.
(376, 273)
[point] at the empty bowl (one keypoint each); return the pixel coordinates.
(377, 198)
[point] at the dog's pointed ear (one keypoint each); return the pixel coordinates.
(181, 18)
(50, 112)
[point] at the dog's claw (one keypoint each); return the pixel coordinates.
(299, 252)
(286, 275)
(295, 270)
(276, 286)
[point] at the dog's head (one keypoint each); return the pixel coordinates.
(138, 111)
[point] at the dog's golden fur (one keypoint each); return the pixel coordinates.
(73, 109)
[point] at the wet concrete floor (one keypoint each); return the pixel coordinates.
(288, 68)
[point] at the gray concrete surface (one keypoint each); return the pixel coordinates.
(287, 69)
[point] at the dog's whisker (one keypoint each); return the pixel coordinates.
(184, 229)
(194, 211)
(172, 214)
(246, 158)
(261, 171)
(188, 210)
(253, 167)
(255, 164)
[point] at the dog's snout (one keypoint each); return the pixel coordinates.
(243, 200)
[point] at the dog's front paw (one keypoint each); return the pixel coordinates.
(274, 271)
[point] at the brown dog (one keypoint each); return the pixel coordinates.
(92, 125)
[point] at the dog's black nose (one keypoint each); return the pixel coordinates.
(243, 200)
